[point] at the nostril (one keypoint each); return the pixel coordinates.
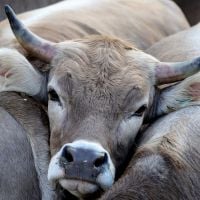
(101, 160)
(67, 155)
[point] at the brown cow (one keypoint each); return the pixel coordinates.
(24, 149)
(167, 162)
(139, 22)
(100, 89)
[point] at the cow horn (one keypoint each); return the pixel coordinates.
(172, 72)
(38, 47)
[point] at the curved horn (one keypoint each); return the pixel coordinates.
(172, 72)
(38, 47)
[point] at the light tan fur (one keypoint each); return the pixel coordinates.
(184, 94)
(99, 72)
(178, 47)
(17, 74)
(166, 163)
(142, 22)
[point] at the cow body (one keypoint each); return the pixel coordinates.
(166, 163)
(18, 175)
(140, 22)
(178, 47)
(24, 149)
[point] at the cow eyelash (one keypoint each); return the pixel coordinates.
(139, 112)
(53, 96)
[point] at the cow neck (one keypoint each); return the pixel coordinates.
(152, 112)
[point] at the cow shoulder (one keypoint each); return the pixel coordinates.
(18, 172)
(17, 74)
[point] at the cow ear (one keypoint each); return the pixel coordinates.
(17, 74)
(185, 93)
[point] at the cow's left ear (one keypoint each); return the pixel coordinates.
(17, 74)
(183, 94)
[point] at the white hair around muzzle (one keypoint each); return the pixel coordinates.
(104, 180)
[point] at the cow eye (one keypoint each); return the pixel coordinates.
(53, 96)
(140, 111)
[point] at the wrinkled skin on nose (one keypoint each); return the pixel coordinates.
(83, 164)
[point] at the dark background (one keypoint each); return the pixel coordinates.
(191, 8)
(24, 5)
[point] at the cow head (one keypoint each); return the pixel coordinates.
(99, 91)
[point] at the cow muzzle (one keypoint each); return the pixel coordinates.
(82, 168)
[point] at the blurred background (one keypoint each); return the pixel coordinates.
(24, 5)
(191, 8)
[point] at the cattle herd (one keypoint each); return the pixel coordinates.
(99, 99)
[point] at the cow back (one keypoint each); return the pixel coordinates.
(178, 47)
(140, 22)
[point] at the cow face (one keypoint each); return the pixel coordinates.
(98, 93)
(99, 89)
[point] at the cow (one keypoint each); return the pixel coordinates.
(24, 149)
(100, 89)
(166, 163)
(139, 22)
(178, 47)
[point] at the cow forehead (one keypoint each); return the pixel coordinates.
(100, 64)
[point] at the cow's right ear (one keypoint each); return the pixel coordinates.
(183, 94)
(17, 74)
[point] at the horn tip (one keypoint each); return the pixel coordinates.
(9, 12)
(12, 18)
(7, 8)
